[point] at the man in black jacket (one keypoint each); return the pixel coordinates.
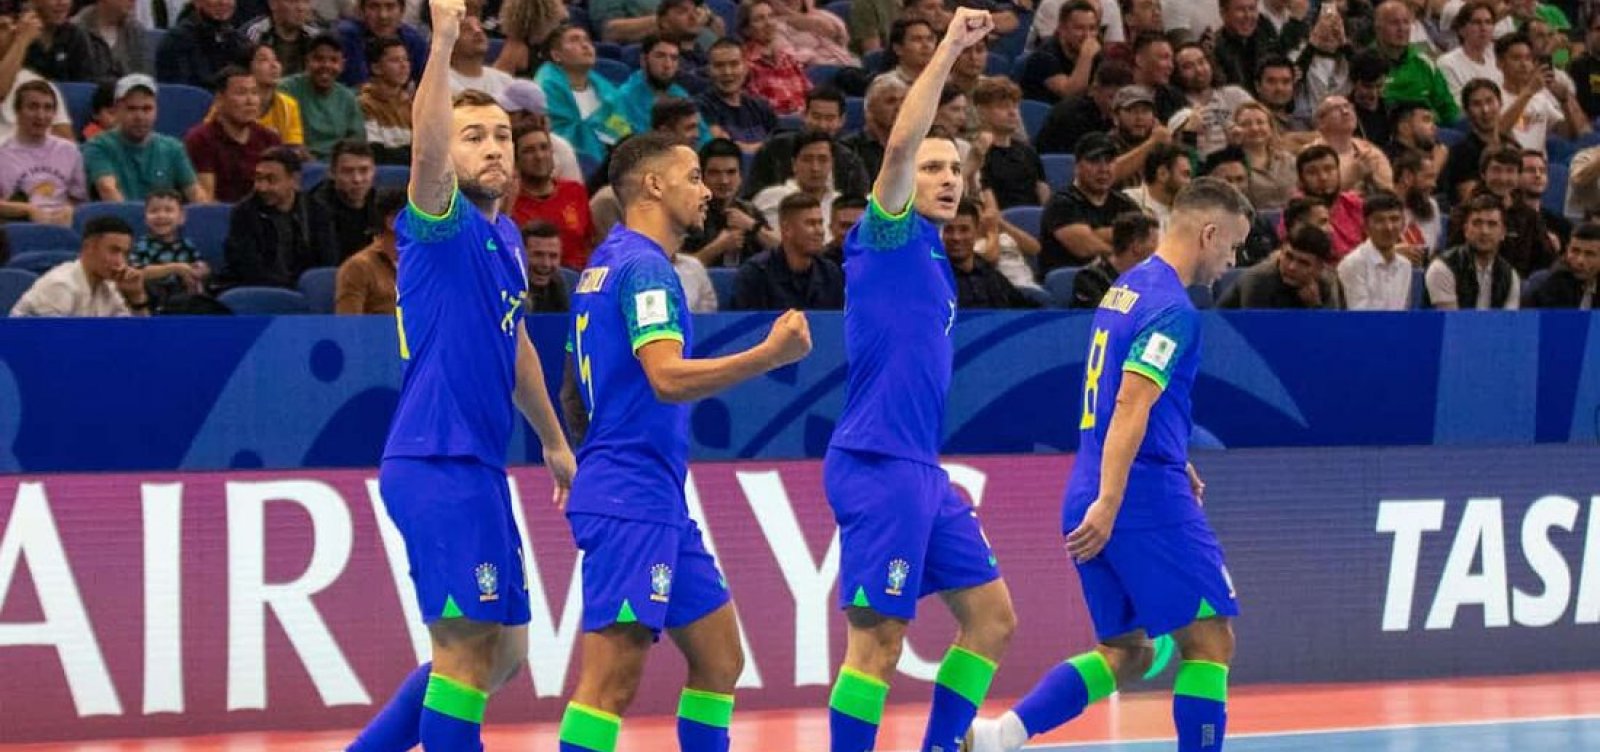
(1293, 278)
(795, 274)
(341, 207)
(269, 236)
(201, 45)
(1571, 282)
(978, 283)
(1133, 239)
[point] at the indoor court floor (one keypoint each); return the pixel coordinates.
(1547, 713)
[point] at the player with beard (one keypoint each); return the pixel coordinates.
(1415, 178)
(468, 363)
(645, 567)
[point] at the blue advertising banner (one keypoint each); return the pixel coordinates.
(311, 391)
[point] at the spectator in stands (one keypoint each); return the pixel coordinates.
(1376, 276)
(1481, 99)
(288, 29)
(1369, 73)
(1133, 239)
(98, 283)
(1531, 185)
(122, 44)
(270, 241)
(1473, 275)
(911, 44)
(131, 160)
(1527, 244)
(1011, 169)
(1229, 165)
(847, 211)
(1292, 278)
(656, 78)
(745, 119)
(1362, 166)
(102, 110)
(697, 288)
(883, 101)
(1318, 170)
(469, 59)
(63, 51)
(1008, 248)
(628, 21)
(978, 283)
(1536, 106)
(1571, 282)
(583, 106)
(1415, 179)
(561, 204)
(1415, 131)
(547, 292)
(969, 66)
(1272, 174)
(812, 35)
(869, 24)
(1275, 88)
(385, 101)
(824, 113)
(341, 209)
(1583, 183)
(1137, 132)
(1152, 68)
(41, 174)
(693, 27)
(813, 175)
(168, 261)
(1205, 121)
(366, 281)
(199, 47)
(525, 24)
(1077, 116)
(380, 19)
(1474, 26)
(224, 149)
(1243, 42)
(679, 117)
(1411, 75)
(793, 275)
(1585, 70)
(1076, 225)
(774, 75)
(1061, 67)
(734, 230)
(329, 111)
(524, 101)
(279, 112)
(1166, 171)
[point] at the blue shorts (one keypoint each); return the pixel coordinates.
(1158, 579)
(461, 539)
(904, 533)
(655, 574)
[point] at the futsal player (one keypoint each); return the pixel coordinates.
(645, 567)
(1147, 560)
(904, 531)
(468, 364)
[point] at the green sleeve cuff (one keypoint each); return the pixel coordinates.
(1146, 371)
(648, 337)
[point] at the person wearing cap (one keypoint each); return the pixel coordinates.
(583, 106)
(129, 161)
(329, 112)
(1074, 117)
(198, 47)
(385, 101)
(288, 30)
(524, 101)
(378, 19)
(122, 38)
(41, 174)
(1075, 227)
(1292, 278)
(1137, 132)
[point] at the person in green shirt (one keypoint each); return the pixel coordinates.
(329, 111)
(1412, 77)
(131, 160)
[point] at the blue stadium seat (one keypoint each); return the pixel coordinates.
(180, 107)
(872, 62)
(1059, 284)
(855, 114)
(207, 226)
(1058, 169)
(392, 176)
(1011, 44)
(152, 41)
(1033, 116)
(317, 285)
(80, 102)
(608, 50)
(1226, 281)
(1555, 194)
(1200, 296)
(1418, 290)
(578, 16)
(729, 12)
(13, 283)
(791, 123)
(495, 45)
(821, 75)
(131, 212)
(264, 301)
(1450, 136)
(40, 262)
(722, 278)
(1024, 217)
(840, 8)
(997, 65)
(615, 71)
(30, 236)
(630, 56)
(312, 173)
(1532, 284)
(587, 165)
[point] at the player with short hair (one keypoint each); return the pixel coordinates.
(904, 531)
(645, 567)
(1162, 571)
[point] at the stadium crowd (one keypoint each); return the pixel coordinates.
(158, 156)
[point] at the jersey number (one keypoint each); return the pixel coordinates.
(585, 373)
(1091, 377)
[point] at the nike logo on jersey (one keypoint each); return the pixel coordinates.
(937, 255)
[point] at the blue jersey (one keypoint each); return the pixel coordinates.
(635, 458)
(1147, 326)
(899, 305)
(461, 282)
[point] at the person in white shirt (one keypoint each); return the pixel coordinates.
(1209, 115)
(99, 283)
(1191, 18)
(1166, 171)
(1474, 26)
(1474, 276)
(1536, 100)
(1376, 276)
(1415, 179)
(697, 288)
(813, 174)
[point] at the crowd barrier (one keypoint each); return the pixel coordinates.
(201, 602)
(308, 391)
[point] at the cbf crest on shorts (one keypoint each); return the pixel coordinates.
(488, 582)
(898, 571)
(660, 583)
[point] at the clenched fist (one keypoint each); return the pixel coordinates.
(790, 338)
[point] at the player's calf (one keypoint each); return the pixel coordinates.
(855, 707)
(468, 659)
(1200, 691)
(987, 622)
(710, 645)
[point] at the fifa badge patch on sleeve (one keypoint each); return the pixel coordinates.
(650, 307)
(1158, 351)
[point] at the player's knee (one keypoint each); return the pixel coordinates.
(1208, 640)
(1130, 661)
(719, 671)
(991, 632)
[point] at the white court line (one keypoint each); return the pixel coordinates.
(1319, 732)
